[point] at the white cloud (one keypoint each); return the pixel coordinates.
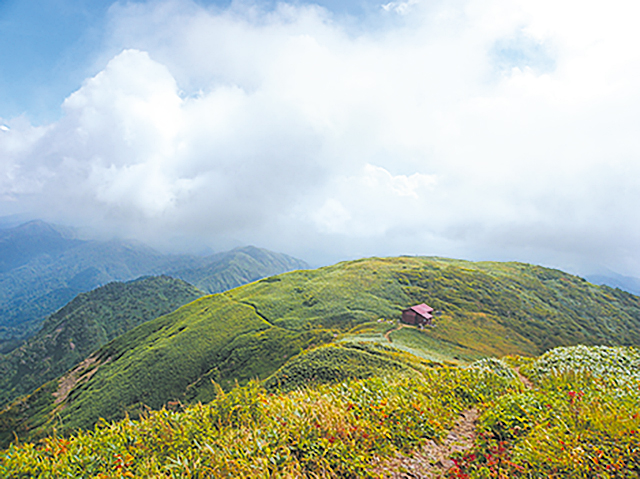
(487, 129)
(401, 185)
(332, 217)
(372, 202)
(402, 8)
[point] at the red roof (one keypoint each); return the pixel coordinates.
(422, 310)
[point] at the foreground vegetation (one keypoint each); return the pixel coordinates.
(580, 419)
(332, 430)
(576, 416)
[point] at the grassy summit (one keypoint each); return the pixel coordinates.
(486, 309)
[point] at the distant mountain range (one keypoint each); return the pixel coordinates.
(614, 280)
(44, 266)
(270, 330)
(224, 271)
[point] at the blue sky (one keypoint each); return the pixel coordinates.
(480, 129)
(48, 47)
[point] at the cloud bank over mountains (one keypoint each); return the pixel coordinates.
(486, 130)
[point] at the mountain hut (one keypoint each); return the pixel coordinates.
(418, 315)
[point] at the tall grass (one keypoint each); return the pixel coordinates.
(336, 430)
(580, 420)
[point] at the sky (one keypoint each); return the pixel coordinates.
(484, 130)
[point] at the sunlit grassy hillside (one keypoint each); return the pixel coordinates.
(576, 416)
(522, 307)
(335, 430)
(485, 309)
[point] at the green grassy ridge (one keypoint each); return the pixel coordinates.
(89, 321)
(340, 296)
(174, 357)
(30, 416)
(345, 361)
(482, 307)
(423, 344)
(505, 308)
(545, 306)
(254, 355)
(160, 360)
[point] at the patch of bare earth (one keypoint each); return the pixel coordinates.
(81, 373)
(434, 459)
(387, 335)
(525, 380)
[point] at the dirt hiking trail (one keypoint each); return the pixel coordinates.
(433, 460)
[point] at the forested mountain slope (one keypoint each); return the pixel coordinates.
(89, 321)
(45, 267)
(21, 244)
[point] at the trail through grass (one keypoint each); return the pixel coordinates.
(434, 459)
